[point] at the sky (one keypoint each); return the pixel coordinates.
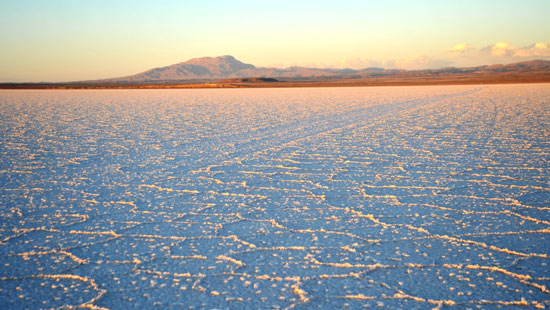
(68, 40)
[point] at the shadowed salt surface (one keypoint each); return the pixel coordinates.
(396, 197)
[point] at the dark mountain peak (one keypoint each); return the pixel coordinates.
(196, 68)
(226, 63)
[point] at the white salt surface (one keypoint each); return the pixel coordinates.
(397, 197)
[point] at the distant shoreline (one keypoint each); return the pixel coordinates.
(286, 84)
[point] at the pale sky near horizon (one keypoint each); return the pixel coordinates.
(67, 40)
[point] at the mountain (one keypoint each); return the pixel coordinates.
(229, 67)
(196, 68)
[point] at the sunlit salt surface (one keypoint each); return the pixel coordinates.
(396, 197)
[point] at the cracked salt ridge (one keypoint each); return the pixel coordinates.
(340, 187)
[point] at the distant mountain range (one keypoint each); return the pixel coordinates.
(223, 67)
(228, 72)
(228, 67)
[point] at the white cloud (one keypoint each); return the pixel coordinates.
(460, 48)
(502, 48)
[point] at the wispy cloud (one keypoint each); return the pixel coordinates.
(460, 48)
(358, 63)
(462, 54)
(412, 63)
(540, 49)
(506, 49)
(422, 62)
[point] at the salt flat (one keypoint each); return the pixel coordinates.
(395, 197)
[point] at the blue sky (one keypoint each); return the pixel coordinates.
(60, 40)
